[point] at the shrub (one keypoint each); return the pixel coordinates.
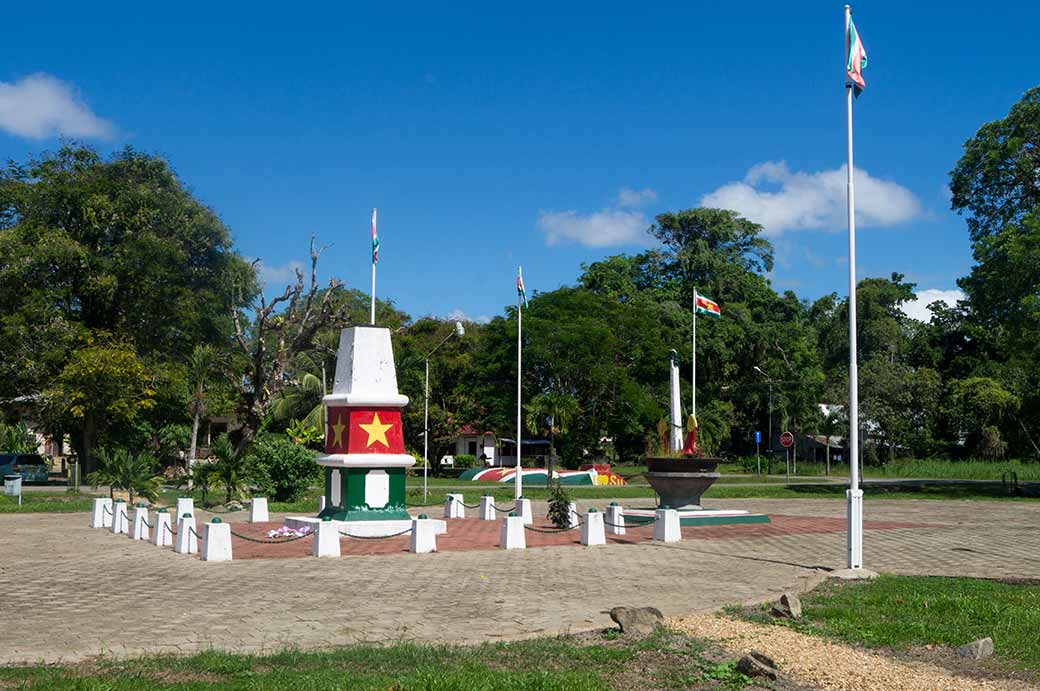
(133, 473)
(173, 443)
(16, 439)
(465, 460)
(559, 506)
(283, 470)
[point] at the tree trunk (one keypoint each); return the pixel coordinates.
(86, 445)
(828, 456)
(192, 450)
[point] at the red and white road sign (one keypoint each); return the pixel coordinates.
(787, 439)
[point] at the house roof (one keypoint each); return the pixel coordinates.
(470, 430)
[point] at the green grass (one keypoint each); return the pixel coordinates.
(596, 661)
(903, 611)
(47, 502)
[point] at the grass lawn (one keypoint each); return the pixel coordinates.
(903, 611)
(604, 660)
(48, 502)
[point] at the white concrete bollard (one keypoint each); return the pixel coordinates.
(592, 532)
(573, 517)
(258, 510)
(453, 507)
(102, 516)
(120, 522)
(162, 533)
(615, 519)
(326, 541)
(511, 535)
(321, 503)
(424, 540)
(487, 508)
(666, 527)
(185, 505)
(523, 510)
(216, 541)
(186, 542)
(139, 528)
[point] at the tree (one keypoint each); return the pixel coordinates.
(16, 438)
(202, 364)
(133, 473)
(276, 337)
(997, 179)
(232, 469)
(102, 388)
(551, 412)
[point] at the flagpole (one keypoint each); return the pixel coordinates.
(373, 319)
(518, 481)
(855, 494)
(693, 373)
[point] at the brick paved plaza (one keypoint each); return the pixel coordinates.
(81, 592)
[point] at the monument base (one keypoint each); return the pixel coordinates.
(369, 528)
(696, 517)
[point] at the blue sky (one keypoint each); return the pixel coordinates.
(547, 134)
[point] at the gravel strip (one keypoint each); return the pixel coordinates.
(831, 666)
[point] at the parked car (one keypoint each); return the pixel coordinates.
(31, 466)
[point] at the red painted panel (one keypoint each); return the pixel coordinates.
(364, 430)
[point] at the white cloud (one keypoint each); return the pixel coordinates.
(603, 228)
(277, 276)
(460, 316)
(918, 307)
(781, 200)
(40, 106)
(629, 197)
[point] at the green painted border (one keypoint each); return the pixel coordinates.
(724, 520)
(352, 505)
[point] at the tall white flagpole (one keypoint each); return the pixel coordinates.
(693, 374)
(855, 494)
(375, 260)
(518, 480)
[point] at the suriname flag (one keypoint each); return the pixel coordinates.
(856, 57)
(708, 306)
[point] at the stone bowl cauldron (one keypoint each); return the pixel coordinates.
(680, 482)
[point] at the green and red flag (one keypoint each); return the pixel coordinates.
(375, 240)
(708, 306)
(520, 291)
(856, 57)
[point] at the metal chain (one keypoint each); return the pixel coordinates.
(192, 531)
(511, 508)
(270, 541)
(167, 526)
(107, 510)
(553, 530)
(470, 506)
(375, 537)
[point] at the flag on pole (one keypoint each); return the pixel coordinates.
(520, 286)
(708, 306)
(856, 56)
(375, 240)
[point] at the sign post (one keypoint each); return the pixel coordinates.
(787, 441)
(758, 458)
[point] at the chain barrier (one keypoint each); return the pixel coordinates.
(167, 526)
(376, 537)
(553, 530)
(270, 541)
(194, 534)
(470, 506)
(147, 524)
(107, 510)
(640, 524)
(511, 508)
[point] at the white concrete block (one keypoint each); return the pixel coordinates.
(258, 510)
(162, 532)
(573, 517)
(216, 541)
(102, 516)
(424, 539)
(186, 542)
(592, 532)
(185, 505)
(120, 520)
(453, 507)
(523, 510)
(326, 540)
(511, 535)
(666, 526)
(616, 519)
(487, 508)
(139, 528)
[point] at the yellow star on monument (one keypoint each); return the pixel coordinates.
(377, 431)
(337, 432)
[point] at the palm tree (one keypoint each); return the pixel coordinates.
(232, 468)
(133, 473)
(202, 363)
(551, 412)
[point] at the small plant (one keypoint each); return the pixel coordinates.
(16, 438)
(232, 469)
(559, 507)
(132, 473)
(304, 434)
(282, 469)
